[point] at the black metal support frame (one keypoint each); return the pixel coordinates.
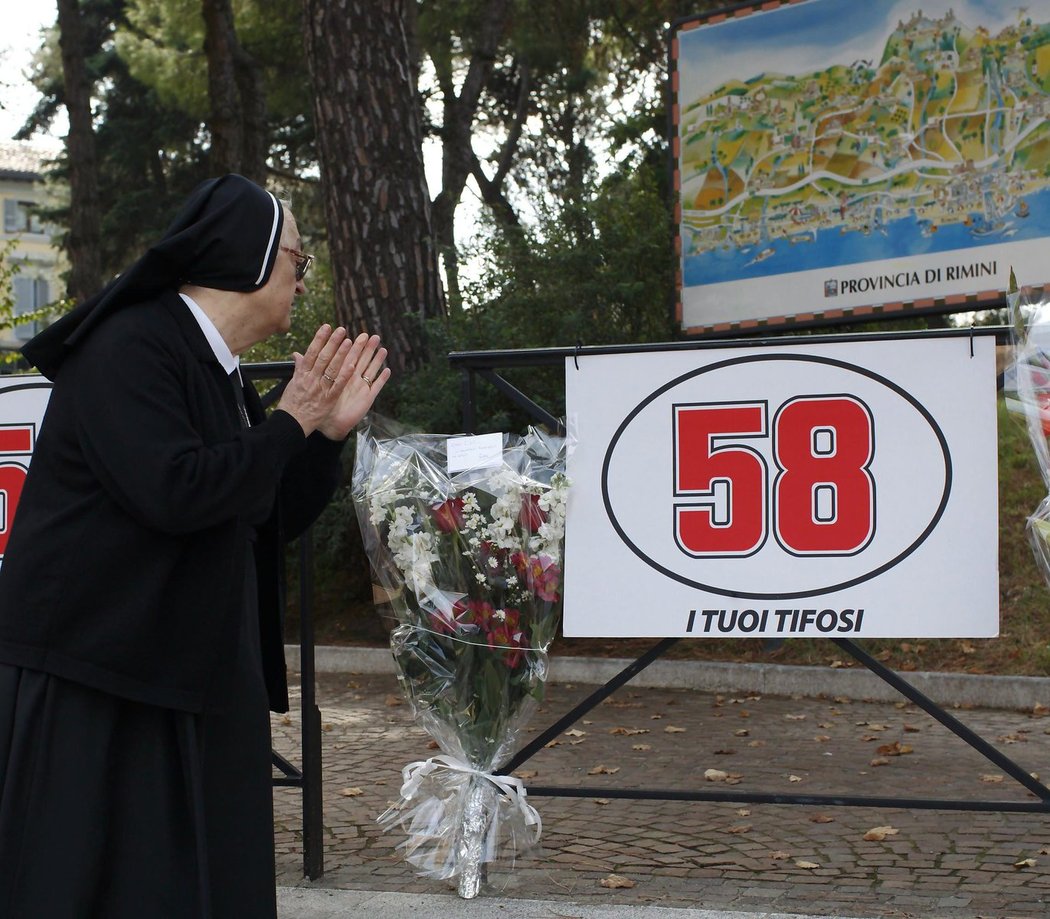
(484, 364)
(308, 777)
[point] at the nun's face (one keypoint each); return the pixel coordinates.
(282, 288)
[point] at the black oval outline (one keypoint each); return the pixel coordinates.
(816, 359)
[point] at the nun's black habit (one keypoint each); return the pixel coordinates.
(140, 640)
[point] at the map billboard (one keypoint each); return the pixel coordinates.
(842, 161)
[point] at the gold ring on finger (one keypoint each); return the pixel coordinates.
(368, 380)
(328, 378)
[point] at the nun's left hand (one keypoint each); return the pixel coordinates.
(370, 376)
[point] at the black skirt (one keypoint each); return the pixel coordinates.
(111, 809)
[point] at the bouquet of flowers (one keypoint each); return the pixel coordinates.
(1028, 392)
(469, 561)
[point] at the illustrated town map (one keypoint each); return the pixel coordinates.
(836, 133)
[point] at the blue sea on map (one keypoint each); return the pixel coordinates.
(832, 247)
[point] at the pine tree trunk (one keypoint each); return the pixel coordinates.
(369, 139)
(236, 97)
(82, 240)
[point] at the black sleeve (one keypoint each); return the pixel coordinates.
(309, 481)
(139, 438)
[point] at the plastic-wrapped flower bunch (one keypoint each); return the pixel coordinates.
(470, 563)
(1027, 385)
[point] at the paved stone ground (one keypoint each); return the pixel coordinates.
(756, 858)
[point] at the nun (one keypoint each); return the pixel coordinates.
(140, 632)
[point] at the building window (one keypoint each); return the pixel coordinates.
(21, 217)
(30, 294)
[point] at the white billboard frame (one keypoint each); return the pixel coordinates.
(925, 565)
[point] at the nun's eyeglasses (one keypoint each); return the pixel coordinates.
(302, 261)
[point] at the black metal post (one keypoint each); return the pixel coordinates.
(313, 806)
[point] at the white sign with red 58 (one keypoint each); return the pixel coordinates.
(23, 400)
(839, 487)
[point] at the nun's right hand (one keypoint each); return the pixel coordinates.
(319, 378)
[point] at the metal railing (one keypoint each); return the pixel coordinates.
(484, 365)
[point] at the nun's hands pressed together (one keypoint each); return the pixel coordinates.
(356, 398)
(335, 383)
(319, 378)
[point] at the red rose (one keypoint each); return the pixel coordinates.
(531, 516)
(448, 515)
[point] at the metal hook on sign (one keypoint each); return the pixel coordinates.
(971, 339)
(576, 353)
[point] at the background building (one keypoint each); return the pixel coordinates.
(22, 193)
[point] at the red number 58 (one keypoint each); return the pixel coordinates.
(822, 496)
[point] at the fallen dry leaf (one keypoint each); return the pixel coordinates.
(602, 801)
(743, 812)
(393, 701)
(743, 732)
(822, 738)
(737, 830)
(575, 732)
(757, 743)
(603, 770)
(525, 773)
(821, 818)
(880, 761)
(779, 855)
(552, 743)
(725, 751)
(671, 729)
(879, 833)
(794, 778)
(894, 749)
(1025, 863)
(911, 729)
(286, 720)
(808, 866)
(1040, 709)
(433, 745)
(628, 732)
(351, 792)
(327, 726)
(715, 775)
(616, 881)
(641, 746)
(991, 779)
(795, 717)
